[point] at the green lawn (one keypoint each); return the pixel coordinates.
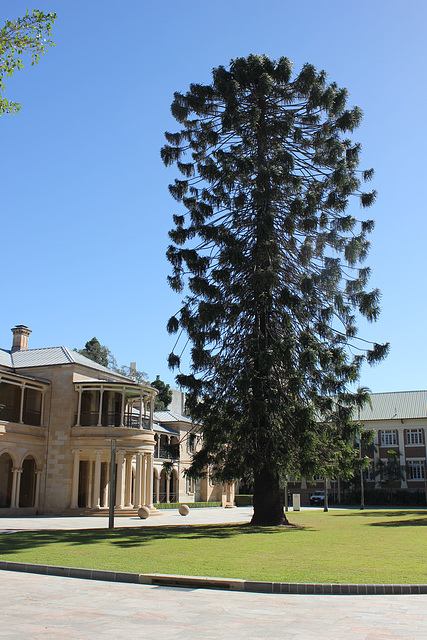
(381, 546)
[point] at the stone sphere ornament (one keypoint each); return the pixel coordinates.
(144, 513)
(184, 510)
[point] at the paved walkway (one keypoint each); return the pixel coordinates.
(46, 607)
(49, 607)
(207, 515)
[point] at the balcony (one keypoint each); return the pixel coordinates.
(111, 419)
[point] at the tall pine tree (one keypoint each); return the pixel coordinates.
(270, 259)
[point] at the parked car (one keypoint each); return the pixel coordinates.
(317, 499)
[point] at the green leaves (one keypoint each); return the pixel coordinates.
(30, 35)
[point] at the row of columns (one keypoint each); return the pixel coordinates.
(143, 401)
(143, 487)
(16, 487)
(23, 386)
(168, 479)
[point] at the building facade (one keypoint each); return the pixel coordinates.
(60, 412)
(397, 457)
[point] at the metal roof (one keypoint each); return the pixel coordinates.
(49, 356)
(170, 416)
(397, 405)
(158, 428)
(5, 358)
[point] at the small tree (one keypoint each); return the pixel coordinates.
(97, 352)
(271, 257)
(390, 471)
(27, 35)
(362, 398)
(164, 397)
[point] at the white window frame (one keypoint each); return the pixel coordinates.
(416, 469)
(414, 436)
(388, 438)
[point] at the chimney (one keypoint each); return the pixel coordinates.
(20, 337)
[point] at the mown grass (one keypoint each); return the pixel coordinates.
(381, 546)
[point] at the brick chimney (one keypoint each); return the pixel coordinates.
(20, 337)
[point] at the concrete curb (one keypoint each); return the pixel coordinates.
(225, 584)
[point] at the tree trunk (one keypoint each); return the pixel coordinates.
(268, 507)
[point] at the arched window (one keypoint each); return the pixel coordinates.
(5, 480)
(28, 483)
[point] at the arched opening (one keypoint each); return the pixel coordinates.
(173, 487)
(5, 480)
(168, 486)
(28, 483)
(164, 452)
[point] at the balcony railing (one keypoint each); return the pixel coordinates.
(111, 419)
(170, 453)
(11, 414)
(163, 496)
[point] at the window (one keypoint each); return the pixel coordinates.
(414, 436)
(189, 485)
(388, 438)
(416, 470)
(191, 443)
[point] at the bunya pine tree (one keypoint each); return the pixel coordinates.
(269, 257)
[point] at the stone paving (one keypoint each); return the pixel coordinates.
(46, 607)
(167, 517)
(50, 607)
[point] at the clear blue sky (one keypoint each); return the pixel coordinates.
(84, 198)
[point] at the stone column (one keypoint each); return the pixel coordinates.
(37, 490)
(149, 492)
(107, 487)
(157, 488)
(143, 479)
(75, 488)
(21, 408)
(119, 481)
(137, 496)
(101, 396)
(96, 501)
(16, 485)
(89, 485)
(140, 410)
(168, 483)
(79, 407)
(42, 409)
(123, 407)
(151, 415)
(128, 481)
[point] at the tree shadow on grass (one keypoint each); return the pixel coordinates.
(380, 513)
(394, 517)
(420, 522)
(13, 543)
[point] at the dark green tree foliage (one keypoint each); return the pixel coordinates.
(30, 36)
(271, 258)
(164, 397)
(97, 352)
